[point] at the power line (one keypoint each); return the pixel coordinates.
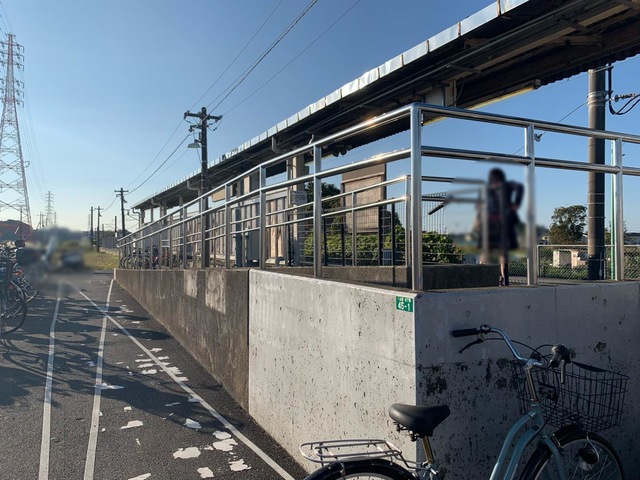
(293, 59)
(248, 71)
(161, 165)
(238, 55)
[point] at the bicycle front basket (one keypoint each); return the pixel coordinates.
(590, 397)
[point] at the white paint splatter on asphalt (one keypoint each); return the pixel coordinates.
(172, 404)
(225, 445)
(239, 466)
(205, 472)
(192, 424)
(127, 409)
(132, 424)
(141, 477)
(221, 435)
(189, 452)
(105, 386)
(151, 371)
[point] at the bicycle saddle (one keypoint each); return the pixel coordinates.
(417, 419)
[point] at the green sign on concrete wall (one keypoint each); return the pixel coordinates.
(405, 304)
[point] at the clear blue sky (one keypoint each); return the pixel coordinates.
(107, 84)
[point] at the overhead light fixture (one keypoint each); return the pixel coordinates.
(195, 144)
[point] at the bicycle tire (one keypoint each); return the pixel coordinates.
(585, 456)
(13, 315)
(366, 469)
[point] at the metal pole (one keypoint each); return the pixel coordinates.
(91, 232)
(380, 236)
(407, 222)
(227, 227)
(530, 178)
(416, 196)
(263, 218)
(393, 234)
(617, 235)
(595, 200)
(354, 232)
(317, 212)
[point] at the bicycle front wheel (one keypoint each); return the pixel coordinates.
(584, 456)
(14, 313)
(369, 469)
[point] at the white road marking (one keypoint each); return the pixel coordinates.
(90, 461)
(45, 442)
(197, 398)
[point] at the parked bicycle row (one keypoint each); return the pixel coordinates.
(16, 288)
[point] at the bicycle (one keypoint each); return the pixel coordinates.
(13, 307)
(576, 399)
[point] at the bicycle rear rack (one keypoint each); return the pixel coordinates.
(326, 451)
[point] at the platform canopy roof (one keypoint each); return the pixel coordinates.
(504, 48)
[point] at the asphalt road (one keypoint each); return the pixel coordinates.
(92, 387)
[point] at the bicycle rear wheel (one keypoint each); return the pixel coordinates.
(584, 456)
(14, 313)
(368, 469)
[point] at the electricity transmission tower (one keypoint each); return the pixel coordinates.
(50, 213)
(13, 181)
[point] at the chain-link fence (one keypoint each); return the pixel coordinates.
(570, 262)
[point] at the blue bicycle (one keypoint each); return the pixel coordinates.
(563, 405)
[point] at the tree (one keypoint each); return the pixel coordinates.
(567, 225)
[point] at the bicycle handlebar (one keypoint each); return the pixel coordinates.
(484, 328)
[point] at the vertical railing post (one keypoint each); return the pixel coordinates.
(618, 219)
(183, 229)
(407, 222)
(204, 225)
(326, 246)
(380, 236)
(263, 218)
(393, 234)
(342, 239)
(354, 232)
(227, 226)
(530, 176)
(416, 198)
(317, 211)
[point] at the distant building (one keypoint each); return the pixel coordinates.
(11, 230)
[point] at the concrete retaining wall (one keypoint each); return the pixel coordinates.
(312, 358)
(328, 359)
(206, 311)
(600, 322)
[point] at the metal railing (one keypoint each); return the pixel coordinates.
(250, 217)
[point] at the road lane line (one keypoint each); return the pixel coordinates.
(90, 462)
(268, 460)
(45, 443)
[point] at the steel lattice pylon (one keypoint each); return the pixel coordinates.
(13, 181)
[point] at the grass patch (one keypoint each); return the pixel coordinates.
(100, 261)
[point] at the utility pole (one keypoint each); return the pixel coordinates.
(122, 202)
(595, 195)
(204, 184)
(98, 232)
(91, 230)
